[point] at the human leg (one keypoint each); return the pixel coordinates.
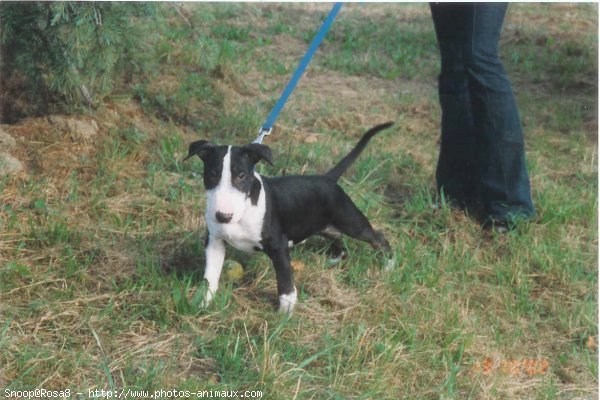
(503, 176)
(456, 168)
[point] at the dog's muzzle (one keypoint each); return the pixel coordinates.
(223, 218)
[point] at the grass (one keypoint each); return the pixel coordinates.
(101, 245)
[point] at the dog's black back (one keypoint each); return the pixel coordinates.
(307, 205)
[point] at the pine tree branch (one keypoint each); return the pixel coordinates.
(195, 32)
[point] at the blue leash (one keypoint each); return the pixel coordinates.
(267, 127)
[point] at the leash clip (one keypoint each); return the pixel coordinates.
(262, 132)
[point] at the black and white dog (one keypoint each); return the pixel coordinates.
(255, 213)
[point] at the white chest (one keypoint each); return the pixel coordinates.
(245, 237)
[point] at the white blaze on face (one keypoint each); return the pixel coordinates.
(225, 198)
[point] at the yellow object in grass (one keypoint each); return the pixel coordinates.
(233, 270)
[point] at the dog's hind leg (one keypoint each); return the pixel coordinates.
(377, 240)
(336, 248)
(352, 222)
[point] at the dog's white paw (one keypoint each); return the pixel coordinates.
(287, 302)
(336, 260)
(390, 264)
(208, 296)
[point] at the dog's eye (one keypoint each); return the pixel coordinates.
(241, 176)
(213, 174)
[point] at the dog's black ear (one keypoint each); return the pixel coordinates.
(200, 148)
(258, 152)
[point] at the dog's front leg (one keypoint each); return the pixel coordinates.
(279, 253)
(215, 255)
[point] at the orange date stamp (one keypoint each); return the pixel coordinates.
(525, 367)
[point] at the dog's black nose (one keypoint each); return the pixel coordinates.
(223, 218)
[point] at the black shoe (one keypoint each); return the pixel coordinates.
(506, 223)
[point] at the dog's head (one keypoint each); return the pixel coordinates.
(229, 177)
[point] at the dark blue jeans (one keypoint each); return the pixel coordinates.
(482, 154)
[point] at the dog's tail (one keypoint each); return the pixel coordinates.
(343, 165)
